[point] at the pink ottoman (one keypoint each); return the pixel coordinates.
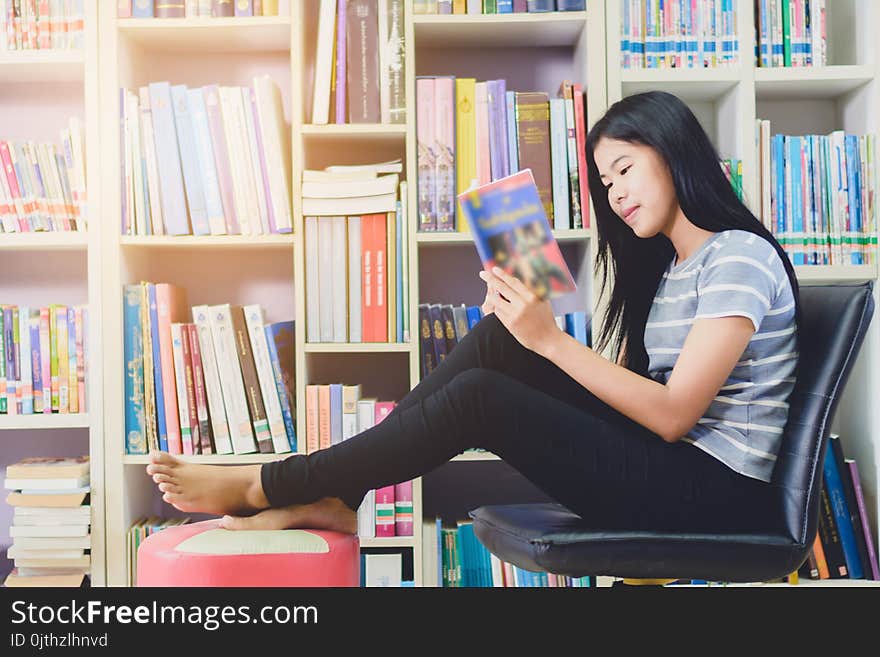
(203, 554)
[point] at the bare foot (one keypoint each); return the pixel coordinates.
(328, 513)
(207, 488)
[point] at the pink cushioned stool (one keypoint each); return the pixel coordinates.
(203, 554)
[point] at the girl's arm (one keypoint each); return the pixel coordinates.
(710, 352)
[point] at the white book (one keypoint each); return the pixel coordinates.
(236, 158)
(231, 382)
(429, 549)
(53, 542)
(497, 571)
(355, 329)
(391, 166)
(386, 184)
(326, 266)
(348, 206)
(404, 208)
(67, 484)
(384, 84)
(16, 531)
(83, 561)
(191, 9)
(253, 315)
(313, 313)
(255, 155)
(366, 414)
(142, 218)
(180, 385)
(349, 425)
(245, 166)
(78, 180)
(366, 515)
(339, 281)
(275, 134)
(383, 570)
(350, 396)
(205, 8)
(50, 491)
(207, 166)
(16, 552)
(148, 144)
(9, 219)
(216, 406)
(312, 175)
(47, 521)
(26, 361)
(323, 62)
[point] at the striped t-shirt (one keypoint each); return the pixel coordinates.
(734, 272)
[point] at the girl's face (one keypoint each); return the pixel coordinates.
(639, 186)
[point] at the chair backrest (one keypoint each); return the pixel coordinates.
(834, 321)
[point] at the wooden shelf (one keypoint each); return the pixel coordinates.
(562, 28)
(391, 541)
(257, 34)
(41, 66)
(212, 459)
(209, 241)
(54, 241)
(456, 237)
(44, 421)
(835, 273)
(358, 347)
(810, 82)
(694, 84)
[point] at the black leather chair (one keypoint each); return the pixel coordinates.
(548, 537)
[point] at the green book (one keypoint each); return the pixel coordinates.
(786, 33)
(53, 353)
(2, 364)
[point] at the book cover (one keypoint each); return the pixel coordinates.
(324, 438)
(385, 511)
(834, 487)
(363, 62)
(213, 390)
(444, 152)
(280, 342)
(39, 467)
(403, 508)
(201, 396)
(426, 341)
(251, 383)
(312, 438)
(511, 231)
(266, 377)
(849, 494)
(438, 335)
(864, 521)
(133, 348)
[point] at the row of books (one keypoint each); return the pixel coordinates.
(495, 6)
(138, 533)
(357, 277)
(387, 512)
(733, 169)
(359, 62)
(51, 541)
(41, 24)
(214, 160)
(844, 545)
(43, 359)
(442, 326)
(221, 384)
(456, 559)
(470, 133)
(195, 8)
(383, 570)
(43, 185)
(818, 195)
(678, 34)
(791, 33)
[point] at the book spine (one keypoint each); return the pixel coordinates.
(335, 413)
(363, 62)
(141, 8)
(396, 50)
(275, 139)
(222, 8)
(244, 8)
(337, 272)
(150, 406)
(324, 437)
(221, 158)
(437, 332)
(385, 511)
(465, 138)
(170, 173)
(559, 164)
(533, 122)
(834, 486)
(261, 165)
(165, 378)
(206, 162)
(190, 389)
(170, 9)
(341, 59)
(355, 272)
(444, 153)
(180, 385)
(326, 268)
(257, 334)
(81, 324)
(425, 108)
(426, 342)
(217, 410)
(201, 419)
(312, 437)
(73, 388)
(864, 521)
(251, 385)
(279, 340)
(36, 359)
(63, 358)
(580, 123)
(256, 176)
(571, 144)
(403, 509)
(380, 279)
(46, 358)
(26, 384)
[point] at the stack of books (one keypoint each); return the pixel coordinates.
(195, 8)
(43, 185)
(41, 25)
(491, 7)
(50, 530)
(359, 62)
(357, 255)
(208, 161)
(43, 356)
(471, 133)
(138, 533)
(221, 384)
(791, 33)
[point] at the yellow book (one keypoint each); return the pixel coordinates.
(465, 140)
(150, 428)
(53, 353)
(270, 7)
(391, 269)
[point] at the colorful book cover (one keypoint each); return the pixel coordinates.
(280, 340)
(190, 389)
(133, 348)
(385, 511)
(36, 359)
(72, 387)
(265, 376)
(426, 154)
(864, 521)
(511, 231)
(834, 486)
(81, 323)
(46, 357)
(426, 341)
(63, 359)
(26, 384)
(200, 389)
(403, 508)
(335, 413)
(312, 438)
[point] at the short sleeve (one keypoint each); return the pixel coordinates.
(740, 280)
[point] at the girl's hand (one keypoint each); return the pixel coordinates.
(488, 306)
(528, 319)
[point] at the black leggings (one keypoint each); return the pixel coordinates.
(492, 392)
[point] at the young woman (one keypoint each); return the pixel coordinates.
(681, 433)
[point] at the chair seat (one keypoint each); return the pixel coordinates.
(549, 537)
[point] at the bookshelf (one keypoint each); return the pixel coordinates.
(845, 94)
(39, 92)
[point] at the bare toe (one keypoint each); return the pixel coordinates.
(163, 458)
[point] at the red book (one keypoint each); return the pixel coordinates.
(380, 278)
(324, 416)
(580, 123)
(311, 418)
(385, 511)
(374, 325)
(189, 377)
(201, 398)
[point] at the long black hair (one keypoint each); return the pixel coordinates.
(663, 122)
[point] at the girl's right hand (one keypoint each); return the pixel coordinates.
(488, 306)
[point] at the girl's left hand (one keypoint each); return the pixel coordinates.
(528, 319)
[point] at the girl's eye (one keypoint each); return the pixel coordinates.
(623, 171)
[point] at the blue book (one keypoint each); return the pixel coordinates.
(168, 158)
(541, 5)
(142, 9)
(36, 357)
(504, 7)
(853, 186)
(571, 5)
(280, 341)
(498, 151)
(511, 231)
(192, 177)
(579, 321)
(426, 344)
(512, 143)
(438, 528)
(133, 350)
(474, 315)
(335, 413)
(797, 205)
(205, 153)
(779, 189)
(157, 369)
(834, 488)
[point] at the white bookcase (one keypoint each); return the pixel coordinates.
(845, 95)
(39, 92)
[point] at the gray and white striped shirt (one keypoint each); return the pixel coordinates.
(734, 272)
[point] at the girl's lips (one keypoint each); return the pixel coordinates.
(631, 217)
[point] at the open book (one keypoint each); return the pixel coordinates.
(511, 231)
